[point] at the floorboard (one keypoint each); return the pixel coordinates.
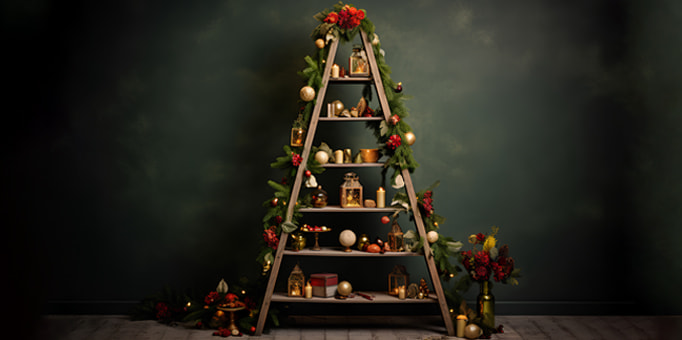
(113, 327)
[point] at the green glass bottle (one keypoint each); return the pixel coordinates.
(486, 305)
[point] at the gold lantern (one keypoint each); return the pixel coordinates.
(397, 278)
(297, 132)
(395, 237)
(296, 282)
(357, 62)
(351, 191)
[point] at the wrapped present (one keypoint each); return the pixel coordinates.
(324, 284)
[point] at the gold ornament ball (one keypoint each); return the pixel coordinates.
(337, 107)
(410, 138)
(472, 331)
(344, 288)
(319, 43)
(432, 236)
(307, 93)
(322, 157)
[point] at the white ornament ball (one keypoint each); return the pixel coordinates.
(432, 236)
(347, 238)
(322, 157)
(307, 93)
(410, 138)
(344, 288)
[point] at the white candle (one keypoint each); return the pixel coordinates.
(401, 293)
(381, 198)
(338, 156)
(308, 291)
(335, 71)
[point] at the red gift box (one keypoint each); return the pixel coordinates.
(324, 279)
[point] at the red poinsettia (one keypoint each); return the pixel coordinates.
(393, 142)
(270, 237)
(348, 17)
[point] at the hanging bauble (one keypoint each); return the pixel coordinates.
(432, 236)
(274, 202)
(319, 43)
(399, 87)
(307, 93)
(410, 138)
(394, 119)
(322, 157)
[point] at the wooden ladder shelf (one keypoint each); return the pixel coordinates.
(270, 295)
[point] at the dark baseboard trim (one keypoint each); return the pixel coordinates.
(501, 308)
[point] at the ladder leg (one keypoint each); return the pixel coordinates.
(274, 271)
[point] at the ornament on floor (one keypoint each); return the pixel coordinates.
(399, 87)
(472, 331)
(410, 138)
(307, 93)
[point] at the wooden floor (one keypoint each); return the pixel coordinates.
(57, 327)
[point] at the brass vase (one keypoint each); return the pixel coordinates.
(486, 305)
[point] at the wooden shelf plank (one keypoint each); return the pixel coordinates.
(336, 208)
(350, 119)
(353, 165)
(379, 297)
(338, 252)
(350, 80)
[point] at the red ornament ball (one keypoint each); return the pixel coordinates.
(385, 219)
(308, 173)
(274, 202)
(399, 88)
(394, 119)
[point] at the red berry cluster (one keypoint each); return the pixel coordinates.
(427, 203)
(162, 311)
(296, 159)
(212, 297)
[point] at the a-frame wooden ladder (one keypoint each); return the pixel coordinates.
(315, 118)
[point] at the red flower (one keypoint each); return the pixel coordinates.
(360, 15)
(393, 142)
(212, 297)
(332, 18)
(270, 237)
(480, 237)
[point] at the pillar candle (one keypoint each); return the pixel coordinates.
(338, 156)
(335, 71)
(381, 198)
(308, 291)
(401, 293)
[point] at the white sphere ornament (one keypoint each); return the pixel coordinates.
(347, 239)
(344, 288)
(410, 138)
(322, 157)
(432, 236)
(307, 93)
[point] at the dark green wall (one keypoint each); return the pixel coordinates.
(140, 135)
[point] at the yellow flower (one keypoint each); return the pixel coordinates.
(489, 243)
(473, 239)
